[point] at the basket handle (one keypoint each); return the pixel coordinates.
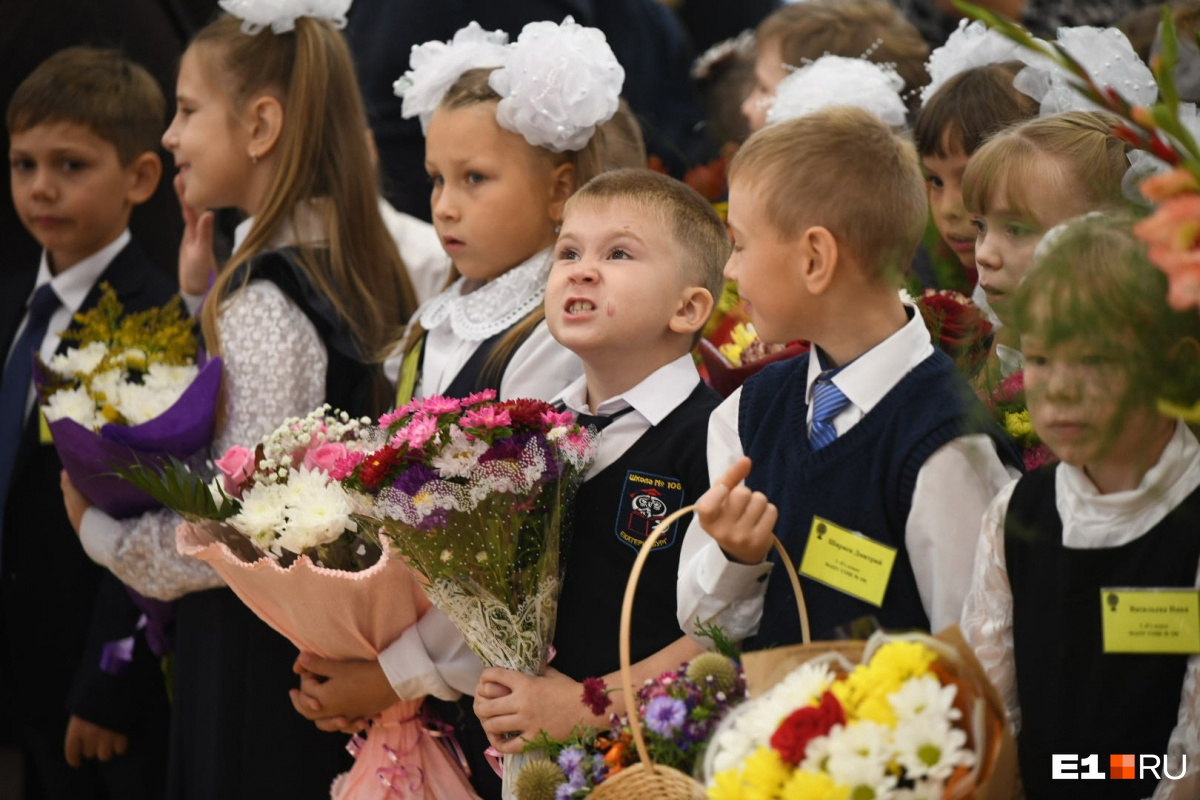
(635, 574)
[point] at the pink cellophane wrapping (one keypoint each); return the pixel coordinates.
(345, 615)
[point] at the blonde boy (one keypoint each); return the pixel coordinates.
(873, 433)
(636, 267)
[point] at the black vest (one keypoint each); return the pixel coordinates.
(614, 512)
(351, 384)
(1075, 698)
(862, 481)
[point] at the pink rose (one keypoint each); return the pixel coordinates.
(325, 456)
(237, 465)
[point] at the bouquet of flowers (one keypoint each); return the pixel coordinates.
(733, 351)
(473, 493)
(282, 533)
(679, 710)
(916, 719)
(1008, 407)
(130, 390)
(958, 326)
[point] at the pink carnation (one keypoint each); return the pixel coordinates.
(344, 466)
(417, 433)
(324, 456)
(237, 465)
(487, 417)
(396, 414)
(558, 419)
(475, 399)
(438, 405)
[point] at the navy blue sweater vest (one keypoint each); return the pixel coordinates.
(1074, 697)
(862, 481)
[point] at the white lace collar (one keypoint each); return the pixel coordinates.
(1092, 520)
(493, 307)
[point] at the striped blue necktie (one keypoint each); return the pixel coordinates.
(828, 402)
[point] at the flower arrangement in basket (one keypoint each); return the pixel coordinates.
(910, 721)
(678, 712)
(130, 389)
(283, 534)
(473, 493)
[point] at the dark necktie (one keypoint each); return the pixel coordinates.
(598, 422)
(14, 388)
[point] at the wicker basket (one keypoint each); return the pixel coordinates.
(647, 780)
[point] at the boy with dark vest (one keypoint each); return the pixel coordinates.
(84, 130)
(869, 457)
(637, 265)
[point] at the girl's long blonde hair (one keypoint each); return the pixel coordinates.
(323, 155)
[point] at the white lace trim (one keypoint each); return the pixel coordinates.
(493, 307)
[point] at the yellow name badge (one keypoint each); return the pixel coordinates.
(1150, 620)
(848, 561)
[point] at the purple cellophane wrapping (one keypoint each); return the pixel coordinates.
(182, 431)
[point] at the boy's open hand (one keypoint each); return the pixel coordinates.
(508, 702)
(197, 264)
(340, 695)
(739, 520)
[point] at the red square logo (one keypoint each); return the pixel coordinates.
(1121, 767)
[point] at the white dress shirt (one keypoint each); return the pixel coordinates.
(953, 489)
(72, 286)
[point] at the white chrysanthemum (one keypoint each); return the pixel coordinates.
(318, 512)
(75, 404)
(460, 455)
(932, 748)
(800, 688)
(262, 514)
(281, 15)
(109, 385)
(859, 756)
(1109, 59)
(924, 697)
(837, 81)
(433, 67)
(559, 84)
(78, 362)
(139, 403)
(170, 378)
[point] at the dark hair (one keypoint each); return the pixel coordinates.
(970, 107)
(102, 90)
(1093, 279)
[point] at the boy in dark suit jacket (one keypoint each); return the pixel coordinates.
(84, 128)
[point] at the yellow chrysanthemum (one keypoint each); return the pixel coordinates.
(763, 774)
(864, 692)
(903, 660)
(1018, 425)
(727, 785)
(741, 337)
(813, 786)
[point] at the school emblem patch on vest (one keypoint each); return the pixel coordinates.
(645, 500)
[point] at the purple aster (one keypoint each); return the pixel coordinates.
(569, 759)
(414, 476)
(509, 448)
(665, 715)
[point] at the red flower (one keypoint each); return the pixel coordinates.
(959, 326)
(708, 179)
(527, 413)
(376, 466)
(595, 695)
(791, 739)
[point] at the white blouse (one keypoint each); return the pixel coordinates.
(1090, 521)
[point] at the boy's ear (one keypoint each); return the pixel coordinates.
(143, 174)
(265, 119)
(695, 306)
(819, 259)
(562, 186)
